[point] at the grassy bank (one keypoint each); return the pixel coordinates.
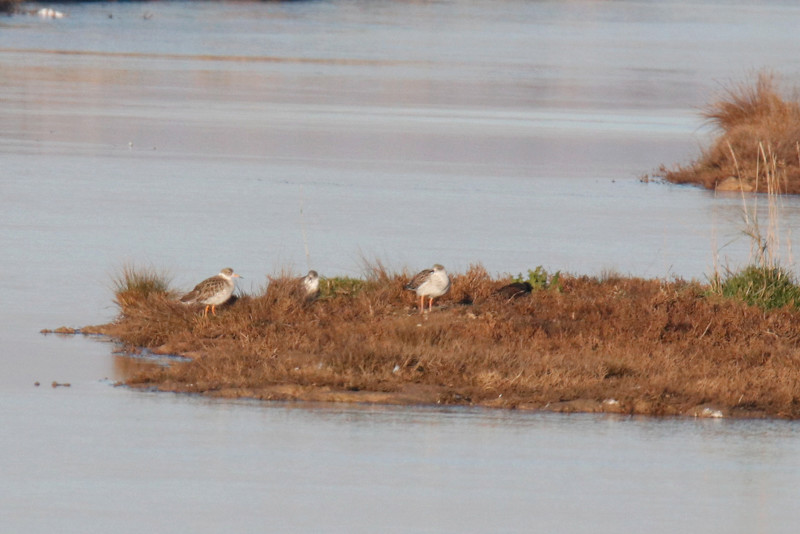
(757, 147)
(617, 344)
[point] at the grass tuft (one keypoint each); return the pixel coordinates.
(133, 284)
(764, 282)
(751, 118)
(766, 287)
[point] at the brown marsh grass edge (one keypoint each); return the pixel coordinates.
(616, 344)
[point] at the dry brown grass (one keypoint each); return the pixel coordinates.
(621, 344)
(758, 128)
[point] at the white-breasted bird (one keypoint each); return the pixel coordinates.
(212, 291)
(431, 283)
(311, 285)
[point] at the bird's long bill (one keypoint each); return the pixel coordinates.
(234, 275)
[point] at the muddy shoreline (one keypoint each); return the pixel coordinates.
(417, 395)
(433, 396)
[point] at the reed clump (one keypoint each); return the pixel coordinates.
(619, 344)
(132, 284)
(764, 282)
(751, 118)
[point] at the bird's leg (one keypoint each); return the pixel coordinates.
(421, 304)
(430, 305)
(205, 312)
(213, 310)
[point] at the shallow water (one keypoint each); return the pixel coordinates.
(509, 133)
(144, 460)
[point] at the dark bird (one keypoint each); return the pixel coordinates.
(514, 290)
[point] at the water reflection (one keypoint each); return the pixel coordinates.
(127, 365)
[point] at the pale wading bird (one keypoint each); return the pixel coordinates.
(431, 283)
(311, 285)
(212, 291)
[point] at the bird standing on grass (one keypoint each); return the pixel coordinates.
(311, 285)
(212, 291)
(431, 283)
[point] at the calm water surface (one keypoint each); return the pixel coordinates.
(192, 136)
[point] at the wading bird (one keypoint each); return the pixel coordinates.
(311, 285)
(212, 291)
(430, 283)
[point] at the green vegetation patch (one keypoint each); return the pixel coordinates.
(342, 286)
(766, 287)
(540, 279)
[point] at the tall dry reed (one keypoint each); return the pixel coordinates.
(766, 281)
